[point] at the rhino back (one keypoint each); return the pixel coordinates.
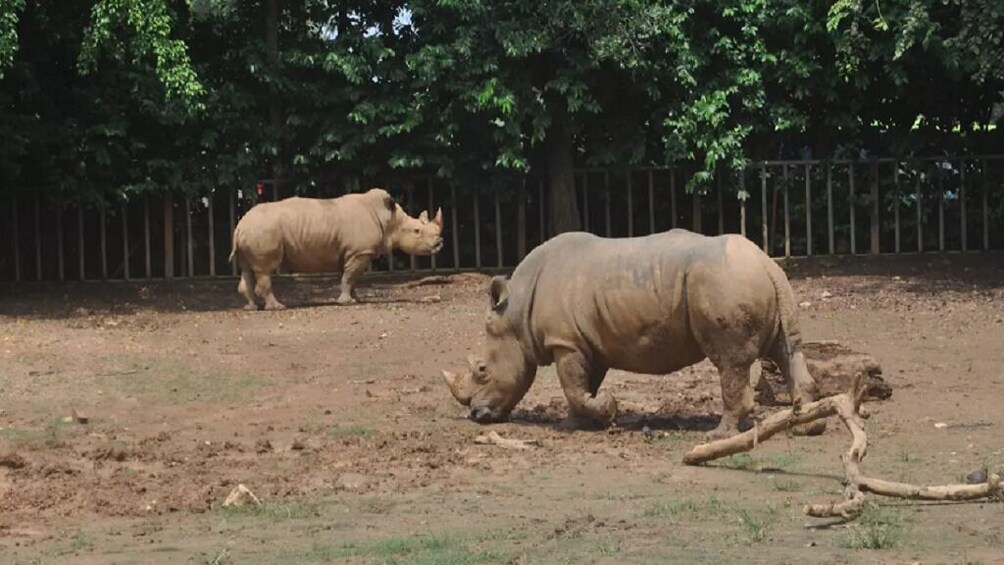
(621, 301)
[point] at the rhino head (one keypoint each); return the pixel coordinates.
(418, 236)
(495, 382)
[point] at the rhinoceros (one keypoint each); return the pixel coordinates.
(651, 305)
(313, 235)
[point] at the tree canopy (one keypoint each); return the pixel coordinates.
(109, 98)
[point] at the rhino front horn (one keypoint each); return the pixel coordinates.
(456, 388)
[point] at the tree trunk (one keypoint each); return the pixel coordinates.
(561, 176)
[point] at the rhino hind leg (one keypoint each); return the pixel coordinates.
(263, 288)
(737, 397)
(246, 289)
(580, 383)
(800, 383)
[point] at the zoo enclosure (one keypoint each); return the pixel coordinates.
(789, 208)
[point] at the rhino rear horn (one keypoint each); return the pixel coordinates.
(424, 217)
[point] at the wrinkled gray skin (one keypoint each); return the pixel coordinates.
(652, 304)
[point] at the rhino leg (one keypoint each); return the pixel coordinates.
(800, 383)
(737, 398)
(263, 288)
(245, 289)
(354, 269)
(580, 383)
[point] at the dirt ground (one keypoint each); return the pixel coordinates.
(337, 419)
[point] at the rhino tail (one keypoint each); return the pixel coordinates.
(789, 330)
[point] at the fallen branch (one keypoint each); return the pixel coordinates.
(494, 438)
(848, 407)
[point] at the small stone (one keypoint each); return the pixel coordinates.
(79, 417)
(805, 304)
(431, 299)
(647, 432)
(940, 425)
(826, 294)
(298, 445)
(977, 477)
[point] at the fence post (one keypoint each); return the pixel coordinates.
(430, 188)
(38, 238)
(188, 235)
(212, 234)
(455, 229)
(829, 207)
(850, 200)
(146, 235)
(540, 211)
(411, 208)
(895, 208)
(920, 215)
(808, 210)
(477, 231)
(80, 241)
(630, 203)
(231, 205)
(651, 202)
(718, 196)
(787, 214)
(103, 215)
(941, 207)
(763, 203)
(168, 235)
(962, 205)
(585, 200)
(672, 198)
(60, 254)
(606, 200)
(698, 219)
(14, 239)
(876, 246)
(742, 202)
(498, 228)
(125, 239)
(986, 213)
(521, 220)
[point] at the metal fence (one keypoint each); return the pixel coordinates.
(789, 208)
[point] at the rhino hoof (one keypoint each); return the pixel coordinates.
(251, 307)
(275, 306)
(345, 301)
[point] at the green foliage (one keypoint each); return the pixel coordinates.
(10, 10)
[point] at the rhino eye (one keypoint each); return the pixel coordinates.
(416, 230)
(482, 368)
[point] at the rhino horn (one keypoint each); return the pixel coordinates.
(455, 382)
(439, 218)
(424, 217)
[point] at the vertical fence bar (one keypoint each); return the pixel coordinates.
(698, 213)
(986, 213)
(212, 235)
(920, 215)
(60, 257)
(168, 235)
(585, 200)
(498, 229)
(606, 200)
(829, 207)
(430, 188)
(125, 239)
(521, 221)
(38, 238)
(454, 228)
(962, 205)
(873, 181)
(14, 239)
(651, 202)
(189, 244)
(850, 200)
(477, 231)
(941, 208)
(672, 198)
(81, 256)
(763, 202)
(103, 214)
(146, 236)
(808, 210)
(630, 204)
(742, 202)
(718, 195)
(540, 211)
(231, 217)
(895, 207)
(787, 214)
(411, 207)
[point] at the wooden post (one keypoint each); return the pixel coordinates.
(986, 213)
(850, 200)
(232, 213)
(606, 200)
(787, 214)
(540, 211)
(763, 204)
(14, 239)
(718, 195)
(477, 231)
(103, 215)
(38, 238)
(742, 201)
(59, 244)
(146, 235)
(808, 210)
(876, 246)
(630, 204)
(188, 236)
(941, 208)
(521, 220)
(672, 198)
(432, 211)
(498, 229)
(962, 205)
(920, 216)
(80, 241)
(895, 208)
(829, 206)
(212, 234)
(585, 200)
(125, 239)
(411, 201)
(697, 212)
(168, 235)
(455, 228)
(651, 202)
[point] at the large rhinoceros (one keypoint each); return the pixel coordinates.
(311, 235)
(652, 304)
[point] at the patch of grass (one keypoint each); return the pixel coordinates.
(877, 528)
(49, 436)
(375, 505)
(784, 460)
(674, 508)
(173, 380)
(349, 431)
(80, 541)
(753, 525)
(273, 511)
(786, 485)
(741, 461)
(907, 457)
(418, 550)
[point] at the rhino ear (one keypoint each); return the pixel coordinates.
(499, 292)
(424, 217)
(439, 218)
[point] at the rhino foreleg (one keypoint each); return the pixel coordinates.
(354, 269)
(580, 383)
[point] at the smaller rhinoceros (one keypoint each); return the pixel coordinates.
(312, 235)
(653, 305)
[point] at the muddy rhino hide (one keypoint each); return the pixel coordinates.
(833, 366)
